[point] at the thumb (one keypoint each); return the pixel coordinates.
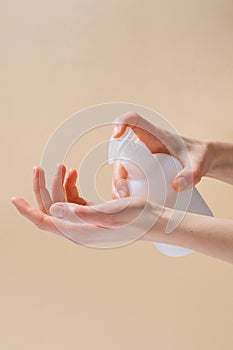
(186, 179)
(65, 211)
(82, 214)
(122, 188)
(118, 129)
(129, 119)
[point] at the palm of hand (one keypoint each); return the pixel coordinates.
(81, 222)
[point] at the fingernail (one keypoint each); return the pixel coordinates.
(121, 193)
(122, 188)
(181, 183)
(115, 130)
(34, 170)
(57, 210)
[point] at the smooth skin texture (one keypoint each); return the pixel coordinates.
(198, 157)
(90, 224)
(65, 213)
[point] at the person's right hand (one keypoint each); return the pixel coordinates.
(193, 154)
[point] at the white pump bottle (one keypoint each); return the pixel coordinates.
(150, 177)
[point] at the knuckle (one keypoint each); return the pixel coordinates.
(128, 118)
(40, 225)
(196, 174)
(119, 173)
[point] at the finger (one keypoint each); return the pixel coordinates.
(58, 193)
(104, 214)
(36, 216)
(154, 138)
(81, 234)
(84, 234)
(122, 189)
(191, 173)
(71, 191)
(41, 193)
(114, 193)
(186, 178)
(79, 213)
(119, 172)
(65, 212)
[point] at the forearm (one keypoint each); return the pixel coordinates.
(221, 167)
(204, 234)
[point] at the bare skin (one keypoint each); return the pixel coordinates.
(87, 224)
(65, 213)
(82, 221)
(199, 157)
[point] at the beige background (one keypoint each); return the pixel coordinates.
(58, 57)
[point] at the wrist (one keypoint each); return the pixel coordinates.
(221, 157)
(211, 146)
(161, 217)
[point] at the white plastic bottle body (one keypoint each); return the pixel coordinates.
(157, 187)
(150, 177)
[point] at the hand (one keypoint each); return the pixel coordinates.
(102, 224)
(62, 190)
(111, 223)
(193, 154)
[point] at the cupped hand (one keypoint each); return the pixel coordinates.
(65, 213)
(63, 190)
(108, 224)
(193, 154)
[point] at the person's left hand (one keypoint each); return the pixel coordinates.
(63, 190)
(67, 214)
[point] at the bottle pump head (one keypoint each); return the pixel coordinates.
(131, 152)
